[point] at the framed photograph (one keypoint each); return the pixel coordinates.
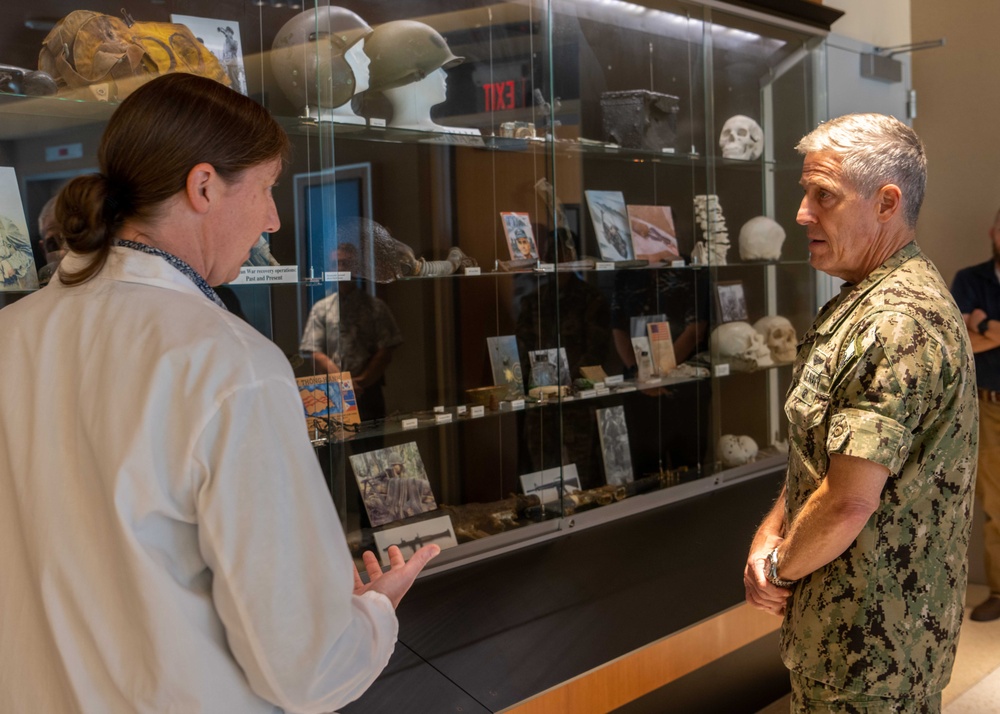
(520, 237)
(549, 485)
(661, 347)
(411, 537)
(17, 262)
(222, 39)
(732, 302)
(614, 445)
(654, 237)
(610, 218)
(393, 483)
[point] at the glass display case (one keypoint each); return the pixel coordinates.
(532, 271)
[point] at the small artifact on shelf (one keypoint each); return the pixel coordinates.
(517, 130)
(741, 138)
(712, 249)
(761, 238)
(91, 49)
(488, 397)
(32, 82)
(739, 344)
(473, 521)
(736, 450)
(384, 259)
(519, 264)
(640, 119)
(779, 336)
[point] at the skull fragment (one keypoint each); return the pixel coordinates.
(736, 450)
(761, 239)
(779, 336)
(740, 345)
(741, 138)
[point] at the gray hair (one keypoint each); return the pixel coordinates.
(875, 150)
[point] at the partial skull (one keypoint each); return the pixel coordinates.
(779, 336)
(761, 239)
(740, 345)
(736, 450)
(741, 138)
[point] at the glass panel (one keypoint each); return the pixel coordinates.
(497, 219)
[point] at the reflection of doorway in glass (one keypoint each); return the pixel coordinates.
(323, 200)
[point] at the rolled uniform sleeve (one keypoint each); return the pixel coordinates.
(886, 386)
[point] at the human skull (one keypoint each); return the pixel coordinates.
(741, 138)
(761, 239)
(779, 335)
(740, 345)
(736, 450)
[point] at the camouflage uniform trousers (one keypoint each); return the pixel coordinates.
(810, 696)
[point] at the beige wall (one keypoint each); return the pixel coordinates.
(957, 104)
(884, 23)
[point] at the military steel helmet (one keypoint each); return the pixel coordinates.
(394, 457)
(406, 51)
(308, 56)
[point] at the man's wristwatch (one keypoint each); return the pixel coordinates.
(983, 326)
(771, 571)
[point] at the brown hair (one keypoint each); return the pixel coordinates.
(152, 141)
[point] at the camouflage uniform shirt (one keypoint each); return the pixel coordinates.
(886, 374)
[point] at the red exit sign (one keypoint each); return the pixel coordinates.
(508, 94)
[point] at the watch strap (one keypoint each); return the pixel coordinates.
(771, 571)
(983, 326)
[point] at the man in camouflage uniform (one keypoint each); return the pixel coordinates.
(865, 550)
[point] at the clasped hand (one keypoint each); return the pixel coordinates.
(759, 591)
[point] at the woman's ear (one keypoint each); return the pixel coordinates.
(198, 188)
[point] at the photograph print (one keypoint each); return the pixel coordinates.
(17, 263)
(549, 367)
(654, 237)
(222, 39)
(550, 485)
(393, 483)
(520, 237)
(330, 404)
(506, 365)
(610, 218)
(732, 301)
(614, 445)
(412, 537)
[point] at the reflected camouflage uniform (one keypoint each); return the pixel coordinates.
(886, 373)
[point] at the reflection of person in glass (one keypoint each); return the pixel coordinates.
(51, 240)
(353, 331)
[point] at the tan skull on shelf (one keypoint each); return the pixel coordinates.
(779, 336)
(740, 345)
(736, 450)
(741, 138)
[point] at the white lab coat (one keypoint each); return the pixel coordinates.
(167, 542)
